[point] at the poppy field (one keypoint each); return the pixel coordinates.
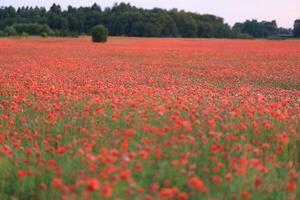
(147, 119)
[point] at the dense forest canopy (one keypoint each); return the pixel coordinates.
(125, 19)
(297, 28)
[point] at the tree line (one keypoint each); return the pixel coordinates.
(126, 20)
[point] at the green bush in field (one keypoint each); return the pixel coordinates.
(24, 34)
(244, 36)
(44, 34)
(1, 33)
(10, 31)
(99, 33)
(32, 28)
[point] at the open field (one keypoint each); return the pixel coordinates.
(148, 119)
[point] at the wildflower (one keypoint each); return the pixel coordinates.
(106, 191)
(198, 184)
(168, 192)
(93, 184)
(125, 175)
(257, 182)
(129, 132)
(183, 195)
(246, 195)
(57, 183)
(291, 186)
(22, 174)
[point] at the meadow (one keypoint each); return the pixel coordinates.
(147, 119)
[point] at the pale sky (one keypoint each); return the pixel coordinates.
(284, 11)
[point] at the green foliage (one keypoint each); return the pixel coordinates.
(57, 22)
(125, 19)
(99, 33)
(1, 33)
(238, 35)
(121, 19)
(186, 24)
(10, 31)
(257, 29)
(44, 34)
(24, 34)
(32, 28)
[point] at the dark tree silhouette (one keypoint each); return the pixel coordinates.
(128, 20)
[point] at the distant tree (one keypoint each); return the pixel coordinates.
(44, 34)
(125, 19)
(122, 7)
(170, 28)
(297, 28)
(238, 35)
(74, 23)
(55, 9)
(147, 29)
(24, 34)
(32, 28)
(57, 22)
(92, 19)
(99, 33)
(96, 7)
(9, 12)
(270, 27)
(204, 29)
(281, 30)
(185, 23)
(257, 29)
